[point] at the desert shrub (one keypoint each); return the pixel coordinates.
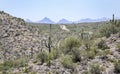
(68, 43)
(113, 60)
(87, 45)
(57, 72)
(96, 69)
(54, 54)
(67, 62)
(102, 45)
(106, 52)
(76, 55)
(118, 46)
(8, 64)
(87, 42)
(43, 57)
(103, 54)
(86, 72)
(46, 57)
(117, 67)
(112, 28)
(26, 70)
(117, 23)
(90, 54)
(33, 72)
(21, 62)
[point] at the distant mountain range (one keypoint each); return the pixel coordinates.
(65, 21)
(93, 20)
(46, 20)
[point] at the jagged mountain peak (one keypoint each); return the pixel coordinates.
(46, 20)
(64, 21)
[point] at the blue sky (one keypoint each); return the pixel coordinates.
(58, 9)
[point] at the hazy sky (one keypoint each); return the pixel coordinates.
(58, 9)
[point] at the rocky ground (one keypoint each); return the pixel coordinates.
(18, 39)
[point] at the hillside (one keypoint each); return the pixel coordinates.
(16, 36)
(87, 48)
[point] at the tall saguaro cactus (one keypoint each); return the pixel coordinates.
(113, 21)
(49, 44)
(113, 18)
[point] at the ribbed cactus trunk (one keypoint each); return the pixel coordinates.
(113, 20)
(82, 34)
(49, 44)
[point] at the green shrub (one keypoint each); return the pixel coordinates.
(57, 72)
(96, 69)
(54, 54)
(33, 72)
(46, 57)
(112, 28)
(21, 62)
(43, 57)
(76, 55)
(68, 43)
(103, 54)
(86, 72)
(88, 54)
(8, 64)
(26, 70)
(91, 54)
(102, 45)
(88, 43)
(118, 46)
(67, 62)
(117, 67)
(113, 60)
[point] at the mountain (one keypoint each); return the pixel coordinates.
(93, 20)
(64, 21)
(46, 20)
(102, 19)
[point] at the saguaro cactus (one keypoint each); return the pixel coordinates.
(113, 18)
(113, 21)
(49, 44)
